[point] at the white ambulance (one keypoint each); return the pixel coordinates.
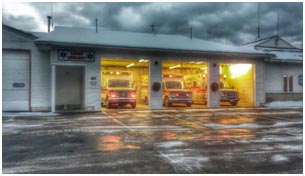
(174, 90)
(117, 89)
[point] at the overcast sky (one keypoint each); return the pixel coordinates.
(224, 22)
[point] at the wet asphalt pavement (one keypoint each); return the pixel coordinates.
(211, 141)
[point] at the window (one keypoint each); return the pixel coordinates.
(173, 85)
(287, 83)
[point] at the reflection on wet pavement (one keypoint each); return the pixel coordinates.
(113, 143)
(180, 135)
(236, 120)
(207, 141)
(222, 135)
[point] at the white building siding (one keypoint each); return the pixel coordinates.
(274, 73)
(259, 83)
(41, 80)
(40, 68)
(213, 97)
(93, 92)
(155, 73)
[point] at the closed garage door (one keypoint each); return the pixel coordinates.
(15, 80)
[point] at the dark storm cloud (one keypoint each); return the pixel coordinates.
(224, 22)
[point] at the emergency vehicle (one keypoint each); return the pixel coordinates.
(174, 90)
(228, 93)
(117, 89)
(197, 83)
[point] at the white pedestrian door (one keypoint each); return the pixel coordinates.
(15, 80)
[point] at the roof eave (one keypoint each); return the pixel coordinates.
(26, 34)
(97, 46)
(284, 60)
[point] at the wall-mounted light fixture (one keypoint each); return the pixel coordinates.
(175, 66)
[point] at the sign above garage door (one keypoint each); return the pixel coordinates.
(80, 56)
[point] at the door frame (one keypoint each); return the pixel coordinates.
(53, 83)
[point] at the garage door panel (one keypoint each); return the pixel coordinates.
(16, 77)
(15, 80)
(12, 54)
(8, 82)
(15, 106)
(9, 95)
(15, 65)
(16, 85)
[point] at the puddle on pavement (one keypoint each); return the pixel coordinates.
(232, 134)
(113, 143)
(235, 120)
(180, 135)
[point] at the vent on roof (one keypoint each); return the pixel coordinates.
(153, 30)
(96, 29)
(49, 22)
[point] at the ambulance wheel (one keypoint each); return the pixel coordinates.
(234, 103)
(133, 105)
(166, 102)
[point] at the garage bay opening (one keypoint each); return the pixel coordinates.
(236, 84)
(124, 83)
(184, 84)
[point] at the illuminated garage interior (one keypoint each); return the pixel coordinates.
(236, 78)
(134, 70)
(236, 83)
(192, 75)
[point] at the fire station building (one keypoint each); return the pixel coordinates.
(83, 69)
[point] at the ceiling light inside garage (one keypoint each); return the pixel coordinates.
(175, 66)
(143, 60)
(130, 65)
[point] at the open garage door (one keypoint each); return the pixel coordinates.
(124, 83)
(15, 80)
(184, 84)
(236, 84)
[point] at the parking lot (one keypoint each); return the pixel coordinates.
(224, 140)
